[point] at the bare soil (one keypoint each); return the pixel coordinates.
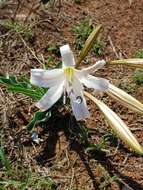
(60, 155)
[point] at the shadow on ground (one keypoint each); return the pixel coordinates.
(72, 131)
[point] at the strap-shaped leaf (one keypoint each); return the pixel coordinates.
(126, 99)
(89, 43)
(136, 63)
(23, 86)
(119, 127)
(12, 81)
(28, 92)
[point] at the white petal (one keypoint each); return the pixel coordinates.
(79, 107)
(98, 65)
(98, 84)
(46, 78)
(77, 85)
(51, 97)
(67, 56)
(78, 101)
(80, 74)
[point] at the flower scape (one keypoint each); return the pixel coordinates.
(70, 82)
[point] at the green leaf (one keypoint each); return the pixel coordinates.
(8, 81)
(22, 86)
(12, 81)
(39, 117)
(91, 147)
(28, 92)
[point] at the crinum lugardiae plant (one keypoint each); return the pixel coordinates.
(70, 82)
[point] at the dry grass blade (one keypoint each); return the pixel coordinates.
(89, 43)
(130, 2)
(136, 63)
(126, 99)
(119, 127)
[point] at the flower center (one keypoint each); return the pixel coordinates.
(68, 71)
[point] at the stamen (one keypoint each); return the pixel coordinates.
(68, 71)
(64, 97)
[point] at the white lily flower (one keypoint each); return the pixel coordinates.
(68, 80)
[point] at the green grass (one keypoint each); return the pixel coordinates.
(17, 27)
(138, 74)
(82, 31)
(54, 49)
(4, 161)
(139, 54)
(3, 3)
(98, 48)
(28, 180)
(21, 178)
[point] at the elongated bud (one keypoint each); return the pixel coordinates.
(136, 63)
(119, 127)
(126, 99)
(89, 43)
